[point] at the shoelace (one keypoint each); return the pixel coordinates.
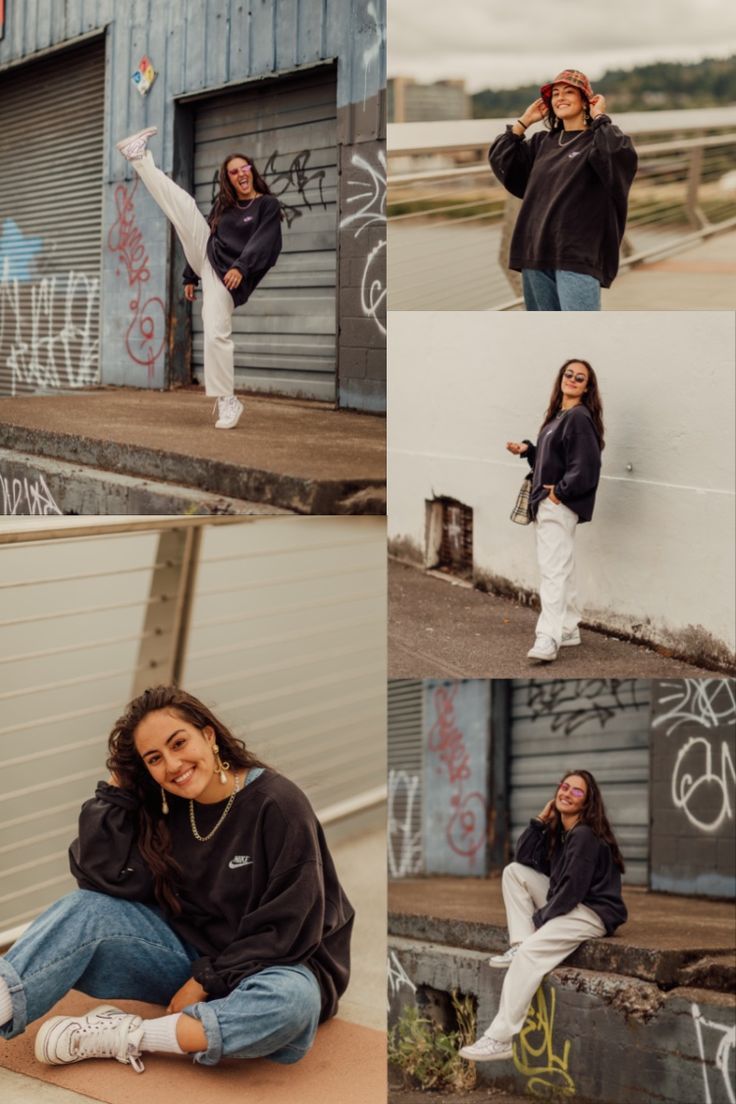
(107, 1041)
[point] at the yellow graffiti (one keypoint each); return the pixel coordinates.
(534, 1055)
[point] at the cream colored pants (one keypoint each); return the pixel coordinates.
(217, 302)
(555, 527)
(524, 891)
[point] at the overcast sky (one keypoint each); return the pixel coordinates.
(502, 43)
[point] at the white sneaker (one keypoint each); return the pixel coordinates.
(229, 409)
(105, 1032)
(486, 1049)
(501, 961)
(134, 146)
(544, 648)
(570, 639)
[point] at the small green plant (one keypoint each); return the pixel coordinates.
(427, 1055)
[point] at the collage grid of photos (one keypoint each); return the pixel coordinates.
(367, 648)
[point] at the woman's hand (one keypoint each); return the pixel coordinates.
(232, 278)
(535, 112)
(548, 814)
(552, 496)
(597, 106)
(190, 292)
(516, 448)
(190, 992)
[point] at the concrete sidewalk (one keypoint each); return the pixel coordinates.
(700, 278)
(440, 629)
(293, 455)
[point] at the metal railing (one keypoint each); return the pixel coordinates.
(450, 221)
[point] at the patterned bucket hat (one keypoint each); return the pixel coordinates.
(567, 76)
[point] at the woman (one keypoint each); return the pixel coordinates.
(564, 888)
(566, 465)
(205, 886)
(574, 181)
(231, 250)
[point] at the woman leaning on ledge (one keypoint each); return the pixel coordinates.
(574, 181)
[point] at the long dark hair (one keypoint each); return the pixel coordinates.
(593, 814)
(227, 196)
(124, 761)
(554, 124)
(591, 399)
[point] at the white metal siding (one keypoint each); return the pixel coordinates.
(51, 149)
(285, 334)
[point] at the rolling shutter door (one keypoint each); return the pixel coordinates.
(600, 725)
(285, 336)
(51, 153)
(405, 769)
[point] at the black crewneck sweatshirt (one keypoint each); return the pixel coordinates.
(575, 197)
(581, 872)
(246, 238)
(262, 892)
(567, 455)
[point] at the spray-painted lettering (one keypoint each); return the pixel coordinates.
(404, 842)
(548, 1072)
(466, 826)
(26, 497)
(368, 199)
(568, 704)
(725, 1046)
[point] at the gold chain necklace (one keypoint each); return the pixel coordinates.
(225, 811)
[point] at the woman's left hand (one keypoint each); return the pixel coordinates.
(597, 106)
(233, 278)
(552, 496)
(190, 992)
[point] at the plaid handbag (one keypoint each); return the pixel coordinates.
(521, 513)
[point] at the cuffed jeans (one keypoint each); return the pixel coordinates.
(548, 289)
(217, 303)
(125, 950)
(541, 949)
(555, 530)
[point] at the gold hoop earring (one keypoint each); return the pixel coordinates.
(219, 765)
(164, 804)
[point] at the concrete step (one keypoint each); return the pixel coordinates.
(36, 485)
(590, 1035)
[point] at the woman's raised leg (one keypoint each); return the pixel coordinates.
(180, 209)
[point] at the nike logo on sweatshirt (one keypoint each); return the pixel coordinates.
(240, 860)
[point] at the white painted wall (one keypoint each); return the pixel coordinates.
(659, 551)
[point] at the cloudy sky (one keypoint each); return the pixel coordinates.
(502, 43)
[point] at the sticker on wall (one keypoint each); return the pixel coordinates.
(144, 75)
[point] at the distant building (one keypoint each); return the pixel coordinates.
(411, 102)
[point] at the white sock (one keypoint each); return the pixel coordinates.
(160, 1035)
(6, 1004)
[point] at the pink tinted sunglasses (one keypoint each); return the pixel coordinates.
(564, 787)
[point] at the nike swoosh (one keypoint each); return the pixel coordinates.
(235, 863)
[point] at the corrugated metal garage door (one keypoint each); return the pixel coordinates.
(405, 770)
(51, 147)
(285, 335)
(600, 725)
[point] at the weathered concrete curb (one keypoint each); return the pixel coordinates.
(217, 477)
(667, 968)
(589, 1035)
(32, 485)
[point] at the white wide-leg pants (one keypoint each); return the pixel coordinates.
(555, 529)
(217, 302)
(524, 891)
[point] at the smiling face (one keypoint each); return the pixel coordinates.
(574, 381)
(567, 101)
(179, 756)
(240, 175)
(571, 795)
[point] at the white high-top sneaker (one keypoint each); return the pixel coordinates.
(544, 648)
(105, 1032)
(501, 961)
(487, 1050)
(134, 146)
(229, 409)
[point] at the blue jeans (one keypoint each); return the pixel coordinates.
(547, 289)
(124, 950)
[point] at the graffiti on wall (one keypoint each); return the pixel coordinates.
(146, 335)
(26, 497)
(723, 1039)
(298, 177)
(368, 200)
(568, 704)
(535, 1057)
(704, 774)
(466, 817)
(404, 843)
(398, 978)
(373, 52)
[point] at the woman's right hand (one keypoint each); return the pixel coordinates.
(534, 113)
(548, 814)
(190, 292)
(516, 448)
